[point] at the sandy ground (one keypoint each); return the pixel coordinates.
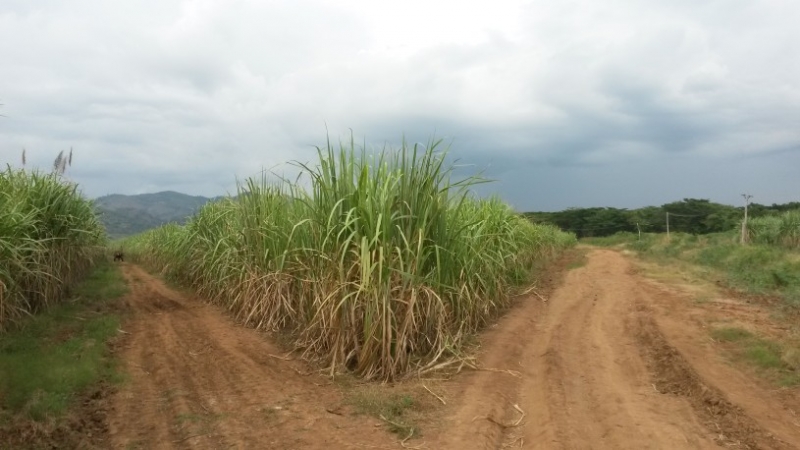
(603, 358)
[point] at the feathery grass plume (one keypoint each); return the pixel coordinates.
(70, 157)
(63, 167)
(23, 157)
(57, 162)
(383, 266)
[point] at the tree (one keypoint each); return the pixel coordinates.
(700, 216)
(650, 219)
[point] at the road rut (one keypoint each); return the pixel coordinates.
(608, 363)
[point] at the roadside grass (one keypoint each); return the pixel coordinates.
(402, 407)
(619, 239)
(56, 355)
(778, 362)
(754, 269)
(396, 409)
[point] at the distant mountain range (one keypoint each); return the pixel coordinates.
(125, 215)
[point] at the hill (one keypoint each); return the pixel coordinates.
(124, 215)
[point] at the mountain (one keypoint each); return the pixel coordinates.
(125, 215)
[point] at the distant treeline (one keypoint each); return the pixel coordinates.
(696, 216)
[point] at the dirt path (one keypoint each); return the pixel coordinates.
(609, 362)
(196, 380)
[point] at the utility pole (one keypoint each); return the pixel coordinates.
(747, 198)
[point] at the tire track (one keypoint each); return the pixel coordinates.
(197, 380)
(599, 371)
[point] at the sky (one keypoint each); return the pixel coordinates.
(569, 103)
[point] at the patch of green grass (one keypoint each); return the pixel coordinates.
(624, 238)
(391, 408)
(790, 380)
(59, 353)
(764, 354)
(731, 334)
(778, 362)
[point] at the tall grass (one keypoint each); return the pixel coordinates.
(783, 230)
(384, 265)
(49, 237)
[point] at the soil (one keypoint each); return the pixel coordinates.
(612, 360)
(598, 357)
(198, 380)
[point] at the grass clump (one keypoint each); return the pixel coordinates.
(58, 354)
(50, 238)
(782, 230)
(382, 266)
(621, 238)
(731, 334)
(778, 362)
(393, 408)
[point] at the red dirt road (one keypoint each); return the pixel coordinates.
(197, 380)
(611, 360)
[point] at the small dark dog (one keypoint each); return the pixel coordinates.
(118, 256)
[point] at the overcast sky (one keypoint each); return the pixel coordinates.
(566, 103)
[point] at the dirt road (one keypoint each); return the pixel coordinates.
(196, 380)
(610, 360)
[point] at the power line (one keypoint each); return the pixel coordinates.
(687, 215)
(599, 228)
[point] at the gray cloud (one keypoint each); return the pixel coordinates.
(573, 103)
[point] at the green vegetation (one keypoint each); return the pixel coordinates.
(768, 356)
(782, 230)
(50, 238)
(695, 216)
(382, 266)
(392, 408)
(48, 362)
(755, 269)
(731, 334)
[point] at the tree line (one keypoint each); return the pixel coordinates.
(690, 215)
